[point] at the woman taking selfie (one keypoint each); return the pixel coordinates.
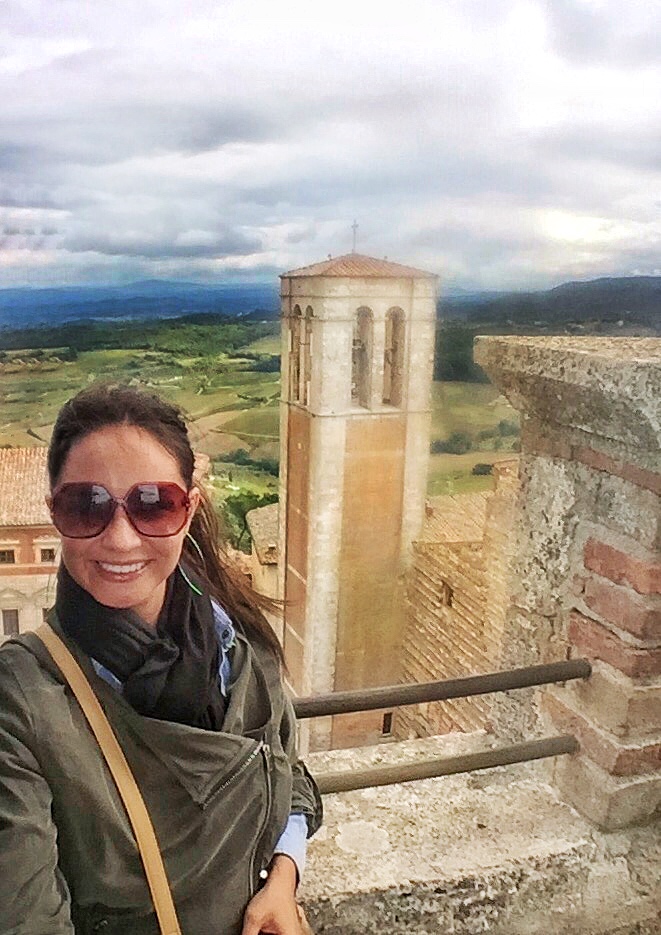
(187, 672)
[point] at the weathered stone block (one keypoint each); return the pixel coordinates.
(604, 749)
(624, 507)
(642, 573)
(600, 461)
(543, 441)
(595, 641)
(628, 709)
(610, 802)
(545, 534)
(638, 615)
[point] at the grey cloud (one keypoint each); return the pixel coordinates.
(108, 108)
(633, 147)
(610, 33)
(227, 243)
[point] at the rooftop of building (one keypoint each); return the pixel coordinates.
(263, 527)
(23, 487)
(358, 265)
(455, 517)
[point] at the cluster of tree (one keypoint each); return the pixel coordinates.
(235, 509)
(459, 442)
(262, 363)
(453, 357)
(215, 335)
(241, 457)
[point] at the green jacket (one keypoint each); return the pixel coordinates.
(218, 801)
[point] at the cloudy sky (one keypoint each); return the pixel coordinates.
(502, 144)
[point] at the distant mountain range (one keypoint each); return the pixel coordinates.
(631, 299)
(634, 299)
(152, 298)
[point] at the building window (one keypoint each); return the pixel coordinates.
(361, 358)
(47, 555)
(446, 594)
(393, 357)
(386, 726)
(295, 356)
(306, 356)
(7, 557)
(10, 622)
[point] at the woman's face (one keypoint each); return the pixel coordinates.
(120, 567)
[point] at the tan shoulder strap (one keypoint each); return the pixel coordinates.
(124, 779)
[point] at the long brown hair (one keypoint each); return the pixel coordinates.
(105, 404)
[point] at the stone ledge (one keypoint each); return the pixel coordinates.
(491, 851)
(608, 387)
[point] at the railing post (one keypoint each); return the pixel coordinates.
(587, 569)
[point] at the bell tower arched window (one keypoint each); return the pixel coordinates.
(306, 356)
(393, 357)
(361, 358)
(295, 355)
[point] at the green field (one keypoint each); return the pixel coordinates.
(232, 402)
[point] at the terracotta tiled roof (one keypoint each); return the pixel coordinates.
(355, 264)
(455, 518)
(263, 526)
(23, 486)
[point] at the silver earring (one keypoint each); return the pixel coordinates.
(196, 545)
(190, 584)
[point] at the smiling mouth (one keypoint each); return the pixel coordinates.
(121, 569)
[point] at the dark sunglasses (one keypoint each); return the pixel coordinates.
(84, 510)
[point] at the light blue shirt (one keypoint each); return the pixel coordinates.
(292, 841)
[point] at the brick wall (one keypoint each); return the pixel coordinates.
(444, 640)
(450, 638)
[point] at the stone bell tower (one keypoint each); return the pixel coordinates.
(357, 357)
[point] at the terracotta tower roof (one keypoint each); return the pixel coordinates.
(355, 264)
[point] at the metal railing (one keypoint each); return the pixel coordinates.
(395, 695)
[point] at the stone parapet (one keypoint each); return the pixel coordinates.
(586, 574)
(494, 851)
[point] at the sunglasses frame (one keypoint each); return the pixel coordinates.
(123, 502)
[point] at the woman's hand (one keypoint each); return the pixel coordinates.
(273, 910)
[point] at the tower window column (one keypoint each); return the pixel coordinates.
(306, 356)
(361, 358)
(393, 357)
(295, 355)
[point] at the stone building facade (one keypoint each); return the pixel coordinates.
(29, 545)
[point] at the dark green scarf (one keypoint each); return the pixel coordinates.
(169, 672)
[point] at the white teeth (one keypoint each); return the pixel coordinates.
(122, 569)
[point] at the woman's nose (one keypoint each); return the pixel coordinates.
(119, 532)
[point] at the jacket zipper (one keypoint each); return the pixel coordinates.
(266, 750)
(252, 756)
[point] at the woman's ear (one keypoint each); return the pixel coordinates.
(194, 502)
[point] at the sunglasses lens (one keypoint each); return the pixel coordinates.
(81, 511)
(157, 509)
